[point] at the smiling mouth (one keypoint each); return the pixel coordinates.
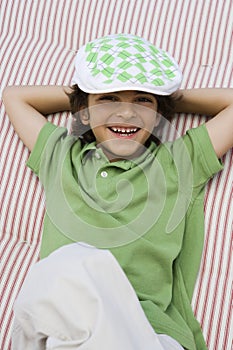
(124, 131)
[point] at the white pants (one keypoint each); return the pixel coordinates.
(79, 298)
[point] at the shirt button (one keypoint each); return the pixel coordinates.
(104, 174)
(97, 155)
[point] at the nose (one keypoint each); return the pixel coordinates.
(126, 110)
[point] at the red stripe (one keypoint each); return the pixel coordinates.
(154, 23)
(126, 19)
(220, 263)
(9, 207)
(114, 11)
(22, 258)
(212, 261)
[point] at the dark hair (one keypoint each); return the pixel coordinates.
(79, 100)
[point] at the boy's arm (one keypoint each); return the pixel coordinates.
(27, 107)
(216, 103)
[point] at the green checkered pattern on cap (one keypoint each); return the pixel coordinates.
(128, 59)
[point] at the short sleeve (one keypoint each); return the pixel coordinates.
(194, 158)
(48, 132)
(203, 155)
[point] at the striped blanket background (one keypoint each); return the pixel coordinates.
(38, 43)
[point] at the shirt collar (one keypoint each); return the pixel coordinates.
(90, 150)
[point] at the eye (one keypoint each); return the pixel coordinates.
(145, 100)
(108, 98)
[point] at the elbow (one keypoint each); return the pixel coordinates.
(8, 93)
(5, 95)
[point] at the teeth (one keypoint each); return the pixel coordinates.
(124, 130)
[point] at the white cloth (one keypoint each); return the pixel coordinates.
(79, 298)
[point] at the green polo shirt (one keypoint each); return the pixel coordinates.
(147, 211)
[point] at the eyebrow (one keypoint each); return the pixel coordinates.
(137, 92)
(143, 92)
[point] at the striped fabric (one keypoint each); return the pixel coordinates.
(38, 43)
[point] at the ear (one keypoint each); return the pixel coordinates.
(84, 116)
(157, 119)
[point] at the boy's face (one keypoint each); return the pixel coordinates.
(121, 121)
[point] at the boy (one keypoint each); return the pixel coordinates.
(113, 187)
